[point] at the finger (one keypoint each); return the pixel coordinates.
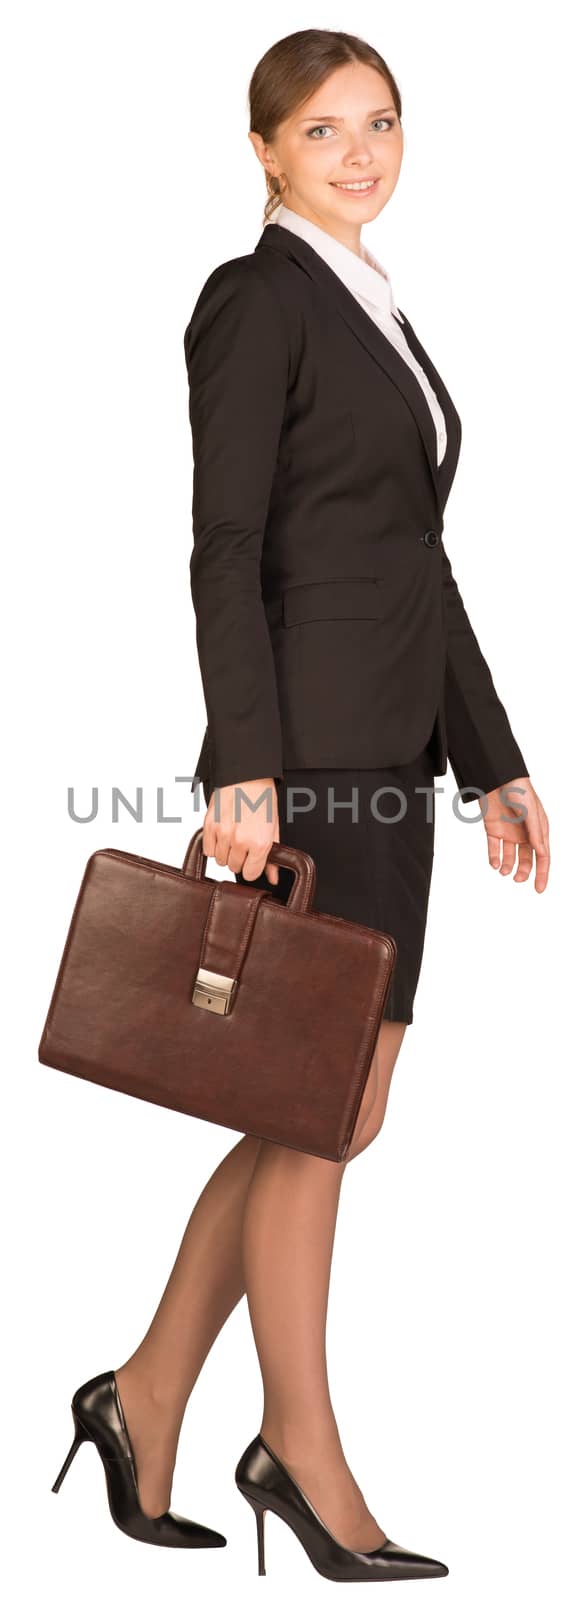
(240, 857)
(271, 867)
(509, 852)
(254, 864)
(545, 857)
(209, 835)
(540, 844)
(543, 863)
(525, 864)
(223, 847)
(541, 831)
(272, 870)
(494, 850)
(236, 857)
(545, 822)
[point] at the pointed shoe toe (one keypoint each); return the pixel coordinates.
(183, 1534)
(406, 1563)
(267, 1485)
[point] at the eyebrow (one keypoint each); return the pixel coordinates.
(378, 113)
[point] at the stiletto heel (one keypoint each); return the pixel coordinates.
(98, 1415)
(260, 1514)
(265, 1482)
(259, 1518)
(79, 1436)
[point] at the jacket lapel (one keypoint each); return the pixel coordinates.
(446, 471)
(378, 346)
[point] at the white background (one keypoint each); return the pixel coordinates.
(456, 1337)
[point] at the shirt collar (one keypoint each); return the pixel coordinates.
(364, 275)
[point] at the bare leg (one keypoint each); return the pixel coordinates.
(288, 1232)
(205, 1285)
(207, 1281)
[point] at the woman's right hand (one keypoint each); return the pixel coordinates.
(238, 837)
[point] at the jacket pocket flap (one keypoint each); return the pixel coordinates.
(341, 597)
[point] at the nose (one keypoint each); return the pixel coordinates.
(358, 152)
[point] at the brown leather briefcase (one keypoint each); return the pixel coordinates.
(216, 999)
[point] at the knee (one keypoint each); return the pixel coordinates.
(367, 1131)
(375, 1100)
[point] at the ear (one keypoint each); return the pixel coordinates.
(263, 153)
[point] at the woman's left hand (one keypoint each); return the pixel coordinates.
(529, 833)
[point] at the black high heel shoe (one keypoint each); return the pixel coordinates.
(268, 1486)
(98, 1415)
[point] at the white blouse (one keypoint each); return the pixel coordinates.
(368, 280)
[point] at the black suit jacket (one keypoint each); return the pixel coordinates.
(330, 629)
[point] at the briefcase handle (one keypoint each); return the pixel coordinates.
(284, 855)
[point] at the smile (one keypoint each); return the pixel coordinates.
(364, 186)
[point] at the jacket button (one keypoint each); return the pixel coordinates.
(431, 537)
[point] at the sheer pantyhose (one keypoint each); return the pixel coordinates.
(263, 1225)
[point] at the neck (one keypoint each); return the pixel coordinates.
(347, 233)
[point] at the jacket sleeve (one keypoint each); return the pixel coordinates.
(482, 748)
(236, 349)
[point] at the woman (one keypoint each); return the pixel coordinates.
(335, 654)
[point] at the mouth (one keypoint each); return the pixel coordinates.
(360, 187)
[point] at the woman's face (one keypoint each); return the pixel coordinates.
(347, 132)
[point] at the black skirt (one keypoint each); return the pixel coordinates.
(371, 836)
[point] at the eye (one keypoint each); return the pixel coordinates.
(390, 121)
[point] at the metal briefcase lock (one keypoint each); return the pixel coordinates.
(213, 991)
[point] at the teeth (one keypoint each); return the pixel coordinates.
(368, 184)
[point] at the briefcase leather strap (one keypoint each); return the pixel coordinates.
(232, 914)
